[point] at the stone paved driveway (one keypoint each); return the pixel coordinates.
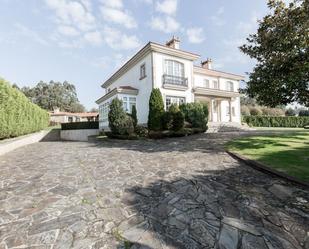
(179, 193)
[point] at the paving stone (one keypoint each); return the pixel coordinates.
(174, 193)
(228, 238)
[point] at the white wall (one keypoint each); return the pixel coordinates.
(159, 59)
(132, 78)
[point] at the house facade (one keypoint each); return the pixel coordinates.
(174, 72)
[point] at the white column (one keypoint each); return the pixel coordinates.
(210, 110)
(230, 107)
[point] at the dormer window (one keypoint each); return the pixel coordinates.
(143, 71)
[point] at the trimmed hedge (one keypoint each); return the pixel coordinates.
(18, 116)
(80, 125)
(267, 121)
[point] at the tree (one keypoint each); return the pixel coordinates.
(54, 94)
(156, 110)
(119, 121)
(94, 109)
(134, 116)
(280, 47)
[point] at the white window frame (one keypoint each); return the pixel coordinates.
(128, 102)
(178, 100)
(230, 86)
(215, 84)
(142, 71)
(103, 112)
(174, 68)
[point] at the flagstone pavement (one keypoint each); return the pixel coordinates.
(173, 193)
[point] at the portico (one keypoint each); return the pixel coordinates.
(222, 104)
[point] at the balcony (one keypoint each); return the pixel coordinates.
(204, 91)
(175, 82)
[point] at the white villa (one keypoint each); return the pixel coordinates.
(173, 71)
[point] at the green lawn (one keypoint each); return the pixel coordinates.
(288, 153)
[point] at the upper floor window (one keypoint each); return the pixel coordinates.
(230, 86)
(174, 68)
(143, 71)
(206, 83)
(215, 84)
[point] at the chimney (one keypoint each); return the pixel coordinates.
(174, 43)
(207, 64)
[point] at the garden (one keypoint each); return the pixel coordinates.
(177, 121)
(284, 152)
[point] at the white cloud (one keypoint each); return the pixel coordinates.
(27, 32)
(195, 35)
(165, 24)
(113, 3)
(218, 18)
(68, 30)
(168, 7)
(118, 16)
(93, 38)
(117, 40)
(72, 13)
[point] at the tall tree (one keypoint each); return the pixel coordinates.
(281, 49)
(54, 94)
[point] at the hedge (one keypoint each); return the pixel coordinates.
(80, 125)
(18, 116)
(267, 121)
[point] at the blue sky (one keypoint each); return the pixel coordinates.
(84, 41)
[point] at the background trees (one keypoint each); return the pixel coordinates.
(280, 46)
(54, 94)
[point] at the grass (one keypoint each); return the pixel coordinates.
(278, 129)
(288, 153)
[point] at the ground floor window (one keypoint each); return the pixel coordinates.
(103, 112)
(128, 103)
(169, 100)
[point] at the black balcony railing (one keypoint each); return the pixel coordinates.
(175, 80)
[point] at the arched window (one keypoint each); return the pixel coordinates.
(174, 68)
(230, 86)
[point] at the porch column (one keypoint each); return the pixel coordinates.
(230, 107)
(210, 110)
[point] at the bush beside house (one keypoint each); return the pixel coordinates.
(267, 121)
(120, 122)
(156, 110)
(178, 121)
(18, 116)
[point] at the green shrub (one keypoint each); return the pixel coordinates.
(290, 112)
(255, 111)
(266, 121)
(173, 119)
(178, 121)
(303, 113)
(134, 116)
(156, 110)
(18, 116)
(141, 131)
(245, 110)
(196, 114)
(119, 122)
(80, 125)
(167, 120)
